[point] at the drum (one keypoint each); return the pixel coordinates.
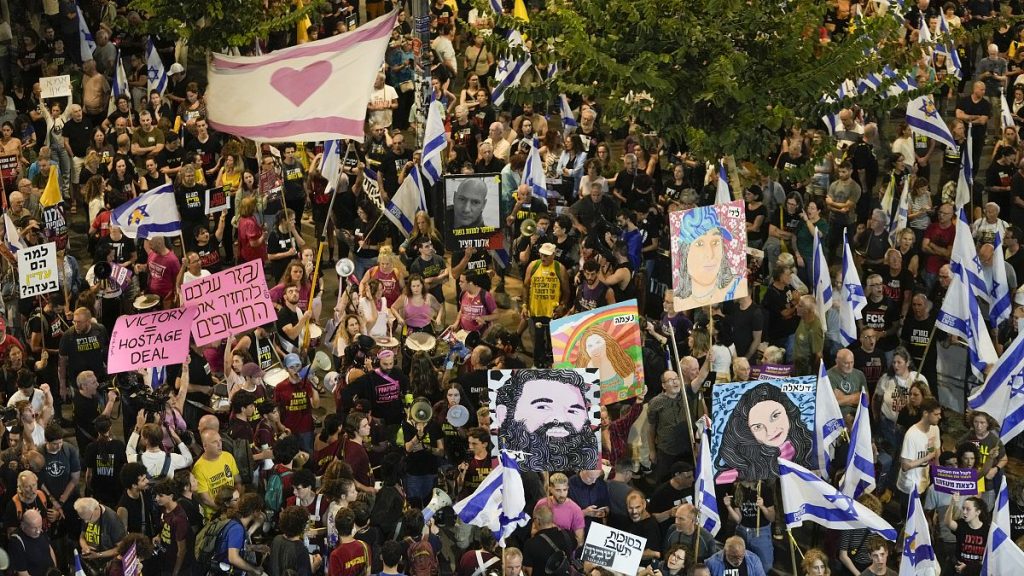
(420, 342)
(274, 376)
(315, 333)
(220, 404)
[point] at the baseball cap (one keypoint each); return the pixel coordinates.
(292, 361)
(547, 249)
(176, 69)
(251, 370)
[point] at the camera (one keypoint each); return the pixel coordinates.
(8, 414)
(132, 388)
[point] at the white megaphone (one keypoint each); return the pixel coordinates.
(440, 500)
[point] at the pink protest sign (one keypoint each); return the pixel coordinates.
(229, 302)
(150, 340)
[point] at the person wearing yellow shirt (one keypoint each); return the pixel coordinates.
(214, 470)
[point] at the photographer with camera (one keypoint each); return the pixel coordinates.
(158, 462)
(90, 401)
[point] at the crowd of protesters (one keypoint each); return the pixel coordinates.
(241, 460)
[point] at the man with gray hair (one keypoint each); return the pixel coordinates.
(496, 138)
(937, 245)
(873, 242)
(847, 382)
(992, 71)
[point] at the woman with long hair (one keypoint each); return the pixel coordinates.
(416, 308)
(617, 369)
(422, 226)
(891, 394)
(815, 563)
(423, 381)
(230, 179)
(121, 186)
(906, 243)
(294, 275)
(373, 308)
(251, 237)
(389, 275)
(764, 425)
(570, 165)
(971, 533)
(456, 441)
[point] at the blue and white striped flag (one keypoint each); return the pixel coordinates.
(401, 207)
(330, 163)
(860, 459)
(953, 65)
(924, 119)
(805, 497)
(434, 142)
(821, 279)
(960, 314)
(499, 503)
(918, 554)
(496, 6)
(86, 44)
(510, 70)
(1002, 395)
(965, 181)
(155, 213)
(828, 421)
(722, 194)
(1001, 302)
(156, 76)
(79, 571)
(14, 241)
(569, 124)
(1002, 556)
(533, 171)
(852, 300)
(707, 501)
(1005, 115)
(902, 212)
(119, 87)
(900, 82)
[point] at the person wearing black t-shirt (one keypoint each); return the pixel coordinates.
(82, 348)
(780, 304)
(295, 185)
(640, 522)
(283, 244)
(969, 520)
(881, 314)
(752, 508)
(207, 245)
(975, 110)
(188, 194)
(207, 145)
(424, 444)
(171, 158)
(868, 358)
(395, 163)
(917, 326)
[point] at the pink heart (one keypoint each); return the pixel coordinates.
(298, 85)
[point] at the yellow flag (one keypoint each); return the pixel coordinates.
(51, 194)
(177, 125)
(303, 24)
(519, 10)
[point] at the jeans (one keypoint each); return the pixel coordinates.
(759, 542)
(364, 264)
(419, 488)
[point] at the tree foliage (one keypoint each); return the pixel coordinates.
(725, 75)
(218, 24)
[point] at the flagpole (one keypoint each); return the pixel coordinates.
(793, 549)
(927, 347)
(686, 403)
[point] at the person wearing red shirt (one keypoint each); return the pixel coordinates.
(296, 398)
(351, 557)
(163, 270)
(252, 243)
(357, 425)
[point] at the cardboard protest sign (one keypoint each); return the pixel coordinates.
(229, 302)
(949, 480)
(613, 549)
(473, 216)
(150, 340)
(709, 260)
(9, 172)
(606, 338)
(55, 86)
(549, 419)
(217, 200)
(770, 371)
(753, 423)
(37, 270)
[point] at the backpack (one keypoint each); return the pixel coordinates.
(208, 542)
(422, 560)
(274, 495)
(242, 452)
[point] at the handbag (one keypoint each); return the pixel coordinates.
(406, 86)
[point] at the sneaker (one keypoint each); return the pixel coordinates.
(777, 531)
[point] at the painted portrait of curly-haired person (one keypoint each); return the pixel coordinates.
(703, 273)
(764, 425)
(546, 416)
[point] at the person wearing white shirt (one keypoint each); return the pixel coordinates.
(383, 100)
(984, 229)
(159, 464)
(921, 446)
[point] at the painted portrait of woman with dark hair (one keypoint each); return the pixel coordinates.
(764, 425)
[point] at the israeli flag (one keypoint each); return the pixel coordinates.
(924, 119)
(155, 213)
(533, 171)
(86, 44)
(569, 124)
(902, 212)
(1002, 556)
(1001, 302)
(156, 76)
(330, 163)
(496, 7)
(1005, 116)
(860, 460)
(821, 279)
(510, 70)
(953, 65)
(434, 142)
(918, 555)
(805, 497)
(960, 314)
(898, 82)
(828, 421)
(79, 571)
(120, 85)
(707, 502)
(499, 503)
(722, 194)
(1002, 395)
(965, 181)
(852, 300)
(402, 206)
(14, 241)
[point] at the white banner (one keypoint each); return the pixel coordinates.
(613, 549)
(37, 270)
(55, 86)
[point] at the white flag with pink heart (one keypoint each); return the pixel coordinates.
(309, 92)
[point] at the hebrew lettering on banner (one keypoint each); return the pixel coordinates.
(37, 270)
(613, 549)
(230, 302)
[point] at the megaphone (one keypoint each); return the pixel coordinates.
(528, 227)
(421, 412)
(441, 499)
(331, 381)
(322, 362)
(345, 267)
(458, 415)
